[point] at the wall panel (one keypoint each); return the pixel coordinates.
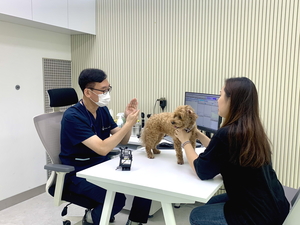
(153, 48)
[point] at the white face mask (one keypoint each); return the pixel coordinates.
(104, 99)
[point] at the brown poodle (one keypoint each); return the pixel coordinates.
(165, 123)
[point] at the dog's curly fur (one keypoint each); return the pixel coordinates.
(162, 124)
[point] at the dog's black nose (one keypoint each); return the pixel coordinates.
(172, 122)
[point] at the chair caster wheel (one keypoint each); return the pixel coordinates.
(67, 222)
(177, 206)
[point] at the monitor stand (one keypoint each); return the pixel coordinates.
(208, 134)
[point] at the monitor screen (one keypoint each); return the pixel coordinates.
(206, 107)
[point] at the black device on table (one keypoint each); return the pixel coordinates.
(170, 143)
(165, 145)
(143, 119)
(125, 159)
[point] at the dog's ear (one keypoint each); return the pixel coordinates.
(190, 110)
(192, 114)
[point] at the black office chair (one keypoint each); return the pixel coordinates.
(48, 127)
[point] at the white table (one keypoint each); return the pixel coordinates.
(160, 179)
(134, 140)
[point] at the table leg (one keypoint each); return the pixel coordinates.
(107, 207)
(168, 213)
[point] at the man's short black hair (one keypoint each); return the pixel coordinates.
(88, 77)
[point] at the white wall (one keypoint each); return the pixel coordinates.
(22, 154)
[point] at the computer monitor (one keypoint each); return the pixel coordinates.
(206, 107)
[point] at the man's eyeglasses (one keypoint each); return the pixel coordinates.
(103, 91)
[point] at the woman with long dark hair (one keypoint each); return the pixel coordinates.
(240, 151)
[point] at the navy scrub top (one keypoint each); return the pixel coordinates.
(77, 125)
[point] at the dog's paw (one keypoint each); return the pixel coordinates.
(180, 162)
(156, 151)
(150, 156)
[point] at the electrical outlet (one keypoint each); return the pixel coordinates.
(162, 102)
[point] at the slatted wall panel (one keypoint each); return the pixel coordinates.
(154, 48)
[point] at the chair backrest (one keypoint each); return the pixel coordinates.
(48, 125)
(295, 198)
(62, 97)
(48, 128)
(293, 217)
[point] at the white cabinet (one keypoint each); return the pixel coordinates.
(53, 12)
(17, 8)
(66, 16)
(79, 9)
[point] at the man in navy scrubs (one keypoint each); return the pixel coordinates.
(88, 134)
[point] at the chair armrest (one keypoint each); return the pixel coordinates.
(59, 168)
(59, 173)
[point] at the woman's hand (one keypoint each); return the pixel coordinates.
(190, 153)
(182, 135)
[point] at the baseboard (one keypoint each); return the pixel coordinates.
(8, 202)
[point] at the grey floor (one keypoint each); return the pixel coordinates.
(40, 210)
